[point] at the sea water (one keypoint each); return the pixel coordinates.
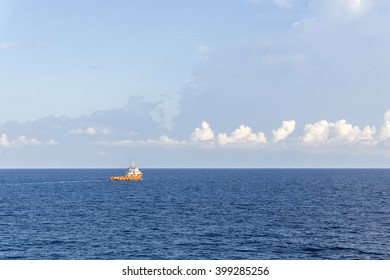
(195, 214)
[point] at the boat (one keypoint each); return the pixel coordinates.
(132, 174)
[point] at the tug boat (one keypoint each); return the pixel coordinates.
(132, 174)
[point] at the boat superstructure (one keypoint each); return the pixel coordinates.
(132, 174)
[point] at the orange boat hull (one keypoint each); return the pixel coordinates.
(126, 178)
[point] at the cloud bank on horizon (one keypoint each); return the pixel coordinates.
(302, 77)
(316, 134)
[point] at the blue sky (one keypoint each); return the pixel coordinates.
(238, 83)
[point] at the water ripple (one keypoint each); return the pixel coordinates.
(195, 214)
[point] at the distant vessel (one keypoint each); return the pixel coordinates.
(132, 174)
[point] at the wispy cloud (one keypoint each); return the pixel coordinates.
(202, 49)
(342, 9)
(88, 131)
(162, 141)
(280, 3)
(52, 142)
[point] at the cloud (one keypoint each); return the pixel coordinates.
(88, 131)
(76, 131)
(123, 143)
(341, 136)
(337, 47)
(204, 133)
(202, 49)
(4, 142)
(23, 140)
(345, 131)
(316, 133)
(385, 129)
(19, 141)
(91, 131)
(281, 133)
(129, 125)
(324, 132)
(162, 141)
(166, 140)
(52, 142)
(135, 116)
(280, 3)
(242, 135)
(342, 9)
(320, 134)
(165, 111)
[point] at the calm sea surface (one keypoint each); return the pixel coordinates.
(195, 214)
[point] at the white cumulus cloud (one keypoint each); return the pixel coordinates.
(23, 140)
(164, 139)
(385, 130)
(242, 135)
(91, 131)
(341, 131)
(281, 133)
(4, 142)
(203, 133)
(19, 141)
(316, 133)
(347, 132)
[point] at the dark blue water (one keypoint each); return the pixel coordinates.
(195, 214)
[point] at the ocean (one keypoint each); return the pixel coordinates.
(269, 214)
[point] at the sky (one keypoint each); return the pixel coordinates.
(205, 83)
